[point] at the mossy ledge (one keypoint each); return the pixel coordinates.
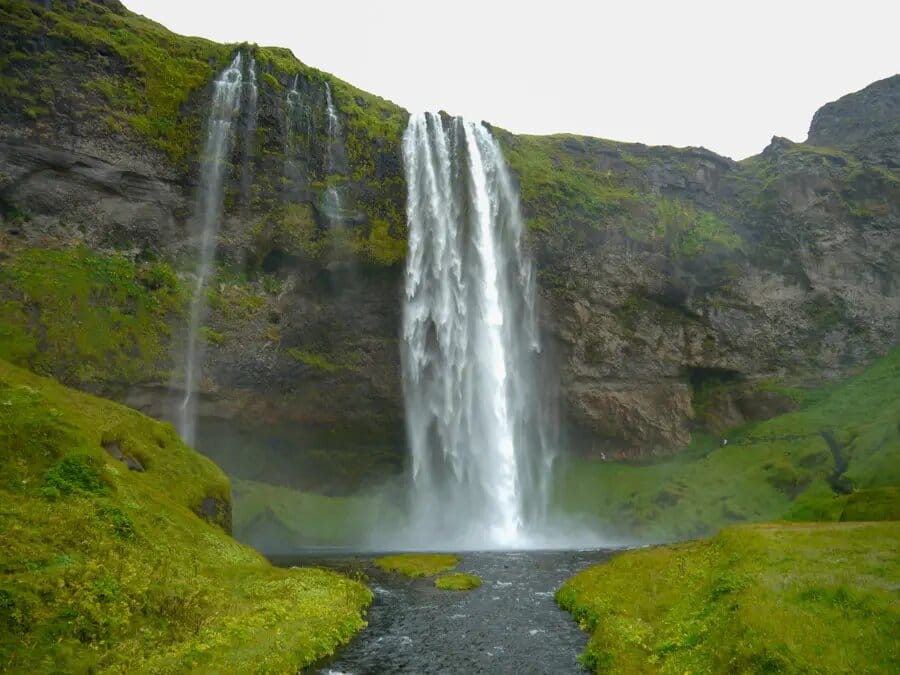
(104, 568)
(769, 598)
(418, 564)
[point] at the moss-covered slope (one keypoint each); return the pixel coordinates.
(800, 466)
(106, 568)
(774, 598)
(88, 317)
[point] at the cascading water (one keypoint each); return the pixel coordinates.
(334, 128)
(224, 109)
(251, 95)
(333, 205)
(293, 104)
(479, 441)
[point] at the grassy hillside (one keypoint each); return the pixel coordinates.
(798, 466)
(778, 598)
(107, 569)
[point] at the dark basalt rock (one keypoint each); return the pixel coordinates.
(217, 511)
(114, 450)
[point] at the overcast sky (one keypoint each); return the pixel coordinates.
(724, 75)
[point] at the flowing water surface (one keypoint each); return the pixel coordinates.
(511, 624)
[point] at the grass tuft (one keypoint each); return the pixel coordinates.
(458, 581)
(418, 564)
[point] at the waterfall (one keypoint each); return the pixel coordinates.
(333, 201)
(292, 103)
(334, 128)
(224, 108)
(251, 95)
(480, 445)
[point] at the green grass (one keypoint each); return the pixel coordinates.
(418, 564)
(557, 184)
(458, 581)
(106, 569)
(781, 468)
(773, 598)
(83, 316)
(877, 504)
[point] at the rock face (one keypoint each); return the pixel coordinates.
(866, 119)
(676, 285)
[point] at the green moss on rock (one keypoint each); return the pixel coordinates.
(144, 74)
(88, 317)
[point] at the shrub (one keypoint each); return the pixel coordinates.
(74, 473)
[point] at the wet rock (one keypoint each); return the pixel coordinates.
(114, 450)
(217, 511)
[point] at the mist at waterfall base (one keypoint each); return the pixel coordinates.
(481, 421)
(481, 442)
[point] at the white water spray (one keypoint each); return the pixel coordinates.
(223, 111)
(481, 453)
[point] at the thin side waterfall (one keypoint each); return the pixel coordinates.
(333, 202)
(481, 446)
(294, 111)
(251, 95)
(292, 105)
(334, 127)
(224, 109)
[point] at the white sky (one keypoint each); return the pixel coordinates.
(724, 75)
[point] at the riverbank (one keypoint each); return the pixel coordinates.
(508, 624)
(778, 597)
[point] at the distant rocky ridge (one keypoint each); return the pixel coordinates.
(679, 288)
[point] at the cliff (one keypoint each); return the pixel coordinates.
(678, 288)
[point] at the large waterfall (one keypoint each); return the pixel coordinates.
(476, 426)
(224, 109)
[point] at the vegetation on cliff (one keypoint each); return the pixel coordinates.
(133, 74)
(785, 598)
(88, 317)
(99, 70)
(105, 568)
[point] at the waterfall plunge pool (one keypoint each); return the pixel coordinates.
(510, 624)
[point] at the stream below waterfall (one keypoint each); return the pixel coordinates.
(511, 624)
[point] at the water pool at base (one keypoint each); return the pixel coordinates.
(511, 624)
